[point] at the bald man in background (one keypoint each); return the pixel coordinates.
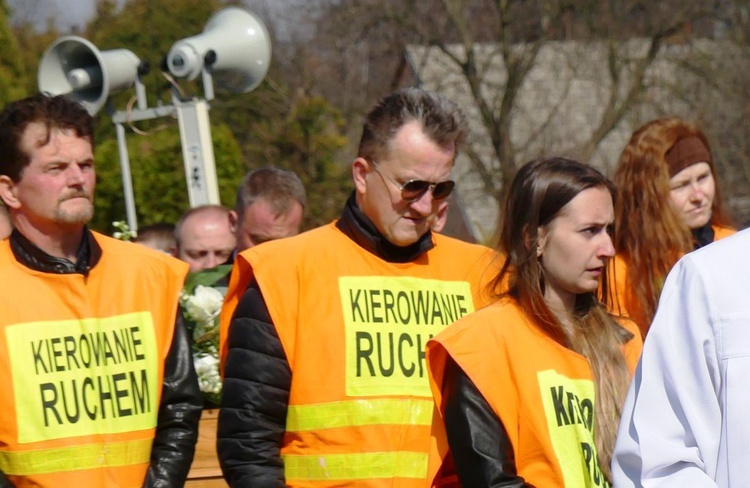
(204, 237)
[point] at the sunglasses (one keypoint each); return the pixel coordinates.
(413, 190)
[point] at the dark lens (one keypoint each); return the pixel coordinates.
(443, 189)
(414, 189)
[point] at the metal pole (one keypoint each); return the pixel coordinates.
(127, 180)
(197, 152)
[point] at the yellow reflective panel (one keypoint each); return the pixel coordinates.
(359, 466)
(84, 376)
(74, 458)
(382, 411)
(569, 408)
(387, 323)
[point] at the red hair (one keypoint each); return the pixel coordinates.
(649, 233)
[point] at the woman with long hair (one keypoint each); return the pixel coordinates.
(668, 204)
(529, 389)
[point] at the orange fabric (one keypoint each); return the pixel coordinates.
(128, 279)
(239, 279)
(618, 284)
(336, 310)
(722, 232)
(374, 483)
(541, 391)
(242, 275)
(620, 287)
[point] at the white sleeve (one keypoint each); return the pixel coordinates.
(671, 423)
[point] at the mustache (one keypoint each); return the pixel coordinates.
(74, 194)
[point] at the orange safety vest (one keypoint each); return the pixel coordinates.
(541, 391)
(82, 366)
(354, 328)
(620, 287)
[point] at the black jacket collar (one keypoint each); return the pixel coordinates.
(703, 236)
(88, 255)
(359, 228)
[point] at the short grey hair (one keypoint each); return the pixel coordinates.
(279, 187)
(441, 119)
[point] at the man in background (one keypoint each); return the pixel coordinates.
(270, 205)
(98, 383)
(204, 237)
(5, 226)
(159, 236)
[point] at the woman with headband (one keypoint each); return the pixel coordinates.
(668, 204)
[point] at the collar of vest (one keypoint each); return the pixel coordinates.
(359, 228)
(88, 255)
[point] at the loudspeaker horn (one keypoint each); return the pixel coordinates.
(73, 66)
(234, 41)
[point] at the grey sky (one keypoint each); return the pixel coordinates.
(66, 13)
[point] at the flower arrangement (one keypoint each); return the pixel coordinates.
(201, 301)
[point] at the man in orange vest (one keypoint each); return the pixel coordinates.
(325, 377)
(98, 383)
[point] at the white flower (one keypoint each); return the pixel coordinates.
(201, 310)
(207, 368)
(123, 232)
(204, 304)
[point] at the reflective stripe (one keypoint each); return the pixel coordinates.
(90, 456)
(384, 411)
(360, 466)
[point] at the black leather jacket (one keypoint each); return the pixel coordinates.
(480, 446)
(181, 401)
(257, 377)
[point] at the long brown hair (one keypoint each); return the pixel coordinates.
(537, 194)
(649, 233)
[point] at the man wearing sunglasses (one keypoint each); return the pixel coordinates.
(324, 364)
